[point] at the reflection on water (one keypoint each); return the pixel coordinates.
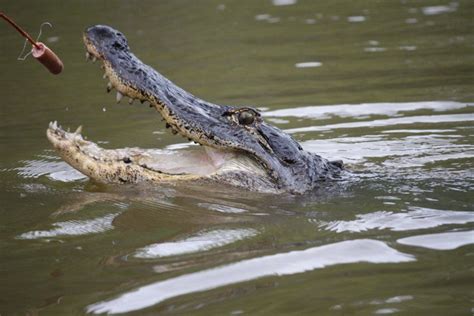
(308, 64)
(223, 208)
(363, 110)
(362, 250)
(357, 81)
(199, 242)
(283, 2)
(403, 152)
(380, 311)
(47, 165)
(414, 218)
(439, 9)
(356, 18)
(443, 241)
(424, 119)
(73, 228)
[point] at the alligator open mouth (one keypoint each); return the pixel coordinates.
(135, 165)
(239, 144)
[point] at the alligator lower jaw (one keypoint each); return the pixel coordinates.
(133, 165)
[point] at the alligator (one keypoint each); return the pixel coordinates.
(240, 148)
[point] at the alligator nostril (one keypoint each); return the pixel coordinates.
(117, 45)
(127, 160)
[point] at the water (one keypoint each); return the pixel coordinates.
(385, 86)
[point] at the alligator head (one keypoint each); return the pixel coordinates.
(239, 134)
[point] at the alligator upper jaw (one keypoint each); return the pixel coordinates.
(184, 113)
(134, 165)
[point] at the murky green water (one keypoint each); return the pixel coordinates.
(387, 86)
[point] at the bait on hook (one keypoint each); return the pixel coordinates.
(39, 50)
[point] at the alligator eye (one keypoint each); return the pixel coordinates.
(246, 118)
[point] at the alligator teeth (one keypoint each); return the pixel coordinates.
(119, 97)
(78, 130)
(104, 76)
(88, 56)
(94, 59)
(130, 101)
(109, 87)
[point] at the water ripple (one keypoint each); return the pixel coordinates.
(415, 218)
(73, 228)
(56, 170)
(202, 241)
(439, 9)
(362, 250)
(364, 109)
(442, 241)
(401, 152)
(435, 119)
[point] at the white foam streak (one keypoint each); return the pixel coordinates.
(362, 250)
